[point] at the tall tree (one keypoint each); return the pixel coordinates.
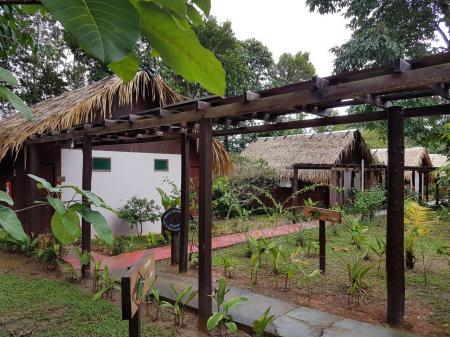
(292, 68)
(389, 29)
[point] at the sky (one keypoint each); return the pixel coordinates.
(286, 26)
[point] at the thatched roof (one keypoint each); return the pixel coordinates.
(320, 148)
(438, 160)
(414, 156)
(94, 102)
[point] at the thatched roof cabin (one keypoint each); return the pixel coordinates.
(107, 98)
(338, 147)
(438, 160)
(414, 156)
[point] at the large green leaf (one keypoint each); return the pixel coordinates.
(6, 198)
(195, 17)
(177, 6)
(57, 204)
(232, 302)
(204, 5)
(214, 320)
(126, 68)
(66, 226)
(176, 42)
(15, 101)
(99, 223)
(43, 184)
(11, 223)
(7, 76)
(107, 29)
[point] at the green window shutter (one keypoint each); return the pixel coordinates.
(161, 165)
(101, 164)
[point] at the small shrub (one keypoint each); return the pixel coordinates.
(119, 246)
(367, 202)
(107, 285)
(358, 233)
(154, 240)
(357, 272)
(139, 210)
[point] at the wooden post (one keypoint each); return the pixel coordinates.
(205, 222)
(413, 181)
(295, 187)
(86, 185)
(184, 232)
(436, 191)
(420, 186)
(322, 246)
(34, 218)
(362, 174)
(342, 185)
(174, 248)
(395, 271)
(426, 185)
(134, 325)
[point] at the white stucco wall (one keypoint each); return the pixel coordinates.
(132, 173)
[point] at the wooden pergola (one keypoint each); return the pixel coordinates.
(380, 86)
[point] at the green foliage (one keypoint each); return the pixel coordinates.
(107, 285)
(222, 318)
(367, 202)
(119, 245)
(308, 279)
(182, 298)
(172, 198)
(154, 240)
(7, 79)
(227, 263)
(262, 322)
(154, 296)
(167, 26)
(292, 68)
(357, 272)
(358, 232)
(136, 211)
(379, 248)
(50, 251)
(65, 222)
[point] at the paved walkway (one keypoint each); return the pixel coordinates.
(125, 260)
(290, 321)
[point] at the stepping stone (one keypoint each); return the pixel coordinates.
(350, 328)
(286, 326)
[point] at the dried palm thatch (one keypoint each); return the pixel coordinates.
(438, 160)
(83, 105)
(320, 148)
(414, 156)
(222, 163)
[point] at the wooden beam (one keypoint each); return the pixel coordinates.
(86, 185)
(395, 270)
(375, 101)
(318, 83)
(185, 203)
(205, 224)
(315, 110)
(34, 214)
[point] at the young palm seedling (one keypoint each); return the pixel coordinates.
(107, 285)
(358, 233)
(357, 272)
(227, 263)
(308, 279)
(221, 320)
(260, 324)
(290, 265)
(181, 299)
(379, 248)
(97, 270)
(153, 296)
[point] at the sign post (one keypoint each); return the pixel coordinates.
(135, 285)
(171, 221)
(322, 214)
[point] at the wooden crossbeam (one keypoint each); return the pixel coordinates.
(315, 110)
(440, 89)
(114, 121)
(201, 105)
(375, 101)
(133, 118)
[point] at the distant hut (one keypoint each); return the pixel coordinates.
(330, 148)
(414, 157)
(119, 170)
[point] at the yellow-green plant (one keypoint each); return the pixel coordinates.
(418, 220)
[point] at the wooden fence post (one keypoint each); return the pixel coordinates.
(322, 246)
(87, 186)
(185, 203)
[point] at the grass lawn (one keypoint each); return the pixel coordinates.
(47, 308)
(427, 304)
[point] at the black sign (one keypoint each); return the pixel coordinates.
(171, 220)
